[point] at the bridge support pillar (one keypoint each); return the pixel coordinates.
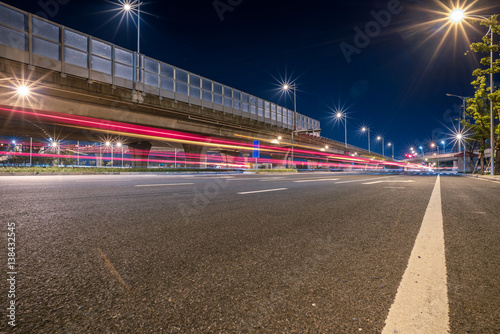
(229, 157)
(195, 155)
(139, 152)
(278, 160)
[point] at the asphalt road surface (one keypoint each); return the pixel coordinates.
(306, 253)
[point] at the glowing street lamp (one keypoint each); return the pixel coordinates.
(23, 91)
(108, 144)
(457, 16)
(55, 145)
(120, 145)
(127, 7)
(433, 145)
(422, 150)
(365, 129)
(343, 116)
(460, 137)
(381, 138)
(463, 98)
(391, 145)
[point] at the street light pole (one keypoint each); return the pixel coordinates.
(391, 145)
(286, 87)
(120, 145)
(369, 149)
(382, 138)
(342, 116)
(463, 98)
(345, 130)
(457, 16)
(127, 7)
(31, 151)
(139, 27)
(368, 131)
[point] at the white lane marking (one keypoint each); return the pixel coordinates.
(377, 178)
(272, 179)
(163, 185)
(261, 191)
(407, 181)
(102, 181)
(421, 303)
(315, 180)
(213, 177)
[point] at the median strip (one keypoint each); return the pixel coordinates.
(421, 303)
(261, 191)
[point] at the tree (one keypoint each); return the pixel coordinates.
(478, 107)
(479, 110)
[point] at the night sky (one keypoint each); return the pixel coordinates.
(395, 84)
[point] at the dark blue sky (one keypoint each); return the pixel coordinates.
(395, 83)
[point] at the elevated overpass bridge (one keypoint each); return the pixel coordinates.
(73, 74)
(450, 161)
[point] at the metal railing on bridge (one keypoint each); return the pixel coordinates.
(35, 41)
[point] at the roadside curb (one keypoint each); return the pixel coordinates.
(485, 177)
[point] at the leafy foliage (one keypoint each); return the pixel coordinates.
(478, 107)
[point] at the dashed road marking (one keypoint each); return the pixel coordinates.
(261, 191)
(374, 182)
(351, 181)
(272, 179)
(315, 180)
(163, 185)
